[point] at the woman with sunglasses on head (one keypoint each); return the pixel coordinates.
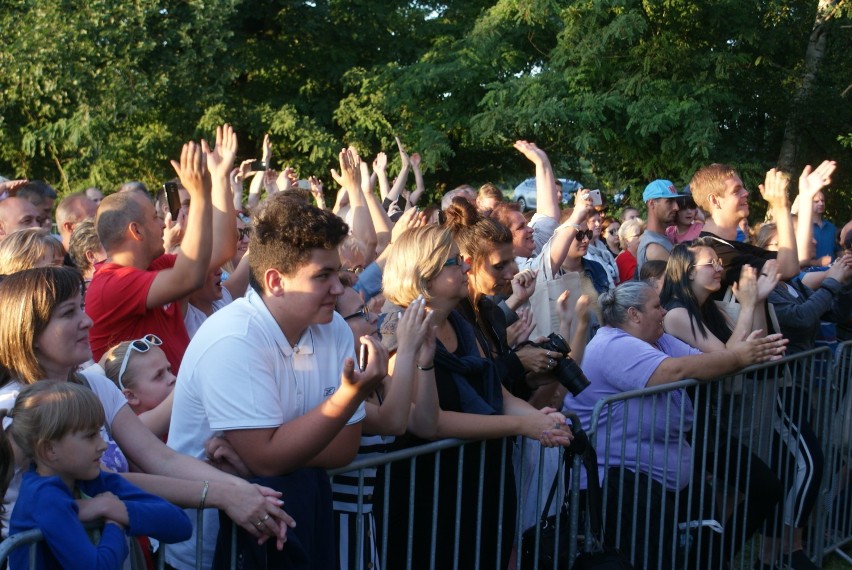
(426, 264)
(693, 275)
(405, 399)
(45, 337)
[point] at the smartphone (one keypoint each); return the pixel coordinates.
(362, 357)
(595, 197)
(173, 198)
(304, 185)
(258, 166)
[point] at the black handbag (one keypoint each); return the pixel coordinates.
(551, 547)
(602, 557)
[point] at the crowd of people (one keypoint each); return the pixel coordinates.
(220, 349)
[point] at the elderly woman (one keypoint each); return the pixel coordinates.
(426, 264)
(645, 436)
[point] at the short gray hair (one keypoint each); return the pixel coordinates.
(615, 302)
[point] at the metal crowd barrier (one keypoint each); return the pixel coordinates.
(447, 504)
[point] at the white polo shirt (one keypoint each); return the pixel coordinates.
(240, 372)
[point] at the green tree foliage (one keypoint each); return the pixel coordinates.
(617, 91)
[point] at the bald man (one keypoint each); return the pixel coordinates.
(72, 210)
(18, 214)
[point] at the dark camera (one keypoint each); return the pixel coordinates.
(567, 371)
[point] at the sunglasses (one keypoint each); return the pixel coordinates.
(244, 232)
(363, 313)
(356, 270)
(457, 260)
(613, 232)
(140, 345)
(587, 234)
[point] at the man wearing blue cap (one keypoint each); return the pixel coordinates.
(659, 196)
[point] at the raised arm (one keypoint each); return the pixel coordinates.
(564, 234)
(193, 258)
(350, 180)
(380, 169)
(402, 178)
(547, 203)
(220, 161)
(420, 186)
(382, 224)
(810, 183)
(774, 191)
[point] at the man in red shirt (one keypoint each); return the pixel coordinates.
(137, 290)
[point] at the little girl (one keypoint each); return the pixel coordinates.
(142, 372)
(56, 426)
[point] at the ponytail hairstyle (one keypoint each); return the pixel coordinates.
(44, 412)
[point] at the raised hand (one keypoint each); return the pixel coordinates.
(531, 151)
(745, 289)
(520, 331)
(813, 180)
(523, 287)
(414, 325)
(415, 160)
(287, 180)
(270, 182)
(380, 164)
(774, 189)
(220, 159)
(192, 170)
(404, 160)
(768, 279)
(267, 151)
(408, 220)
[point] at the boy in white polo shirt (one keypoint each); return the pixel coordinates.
(275, 372)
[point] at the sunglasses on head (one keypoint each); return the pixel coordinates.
(143, 344)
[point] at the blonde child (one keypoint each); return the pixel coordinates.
(142, 372)
(56, 427)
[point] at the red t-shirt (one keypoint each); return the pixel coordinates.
(626, 264)
(115, 300)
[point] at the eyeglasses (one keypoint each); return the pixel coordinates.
(457, 260)
(244, 232)
(356, 270)
(613, 232)
(587, 234)
(363, 313)
(716, 263)
(143, 344)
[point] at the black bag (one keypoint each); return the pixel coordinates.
(602, 558)
(548, 539)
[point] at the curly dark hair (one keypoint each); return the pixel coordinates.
(285, 230)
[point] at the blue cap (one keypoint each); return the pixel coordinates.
(660, 189)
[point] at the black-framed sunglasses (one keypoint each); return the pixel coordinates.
(244, 232)
(363, 313)
(140, 345)
(587, 234)
(356, 270)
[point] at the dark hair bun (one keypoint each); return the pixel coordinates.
(460, 213)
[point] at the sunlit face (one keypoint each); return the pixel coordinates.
(244, 233)
(594, 223)
(494, 273)
(706, 273)
(733, 201)
(211, 290)
(664, 210)
(151, 224)
(522, 236)
(310, 294)
(361, 321)
(64, 343)
(451, 282)
(579, 245)
(611, 236)
(148, 378)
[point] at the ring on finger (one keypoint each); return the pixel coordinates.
(258, 524)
